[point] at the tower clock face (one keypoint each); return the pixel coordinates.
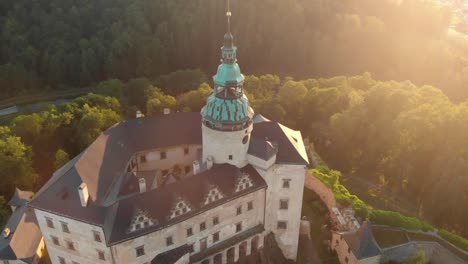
(245, 139)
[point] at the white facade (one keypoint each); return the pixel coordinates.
(226, 146)
(285, 184)
(86, 248)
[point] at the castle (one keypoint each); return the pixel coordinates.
(180, 187)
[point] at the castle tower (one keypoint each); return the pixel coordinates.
(227, 115)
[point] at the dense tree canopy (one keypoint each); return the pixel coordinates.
(59, 43)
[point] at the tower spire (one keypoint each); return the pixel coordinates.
(228, 15)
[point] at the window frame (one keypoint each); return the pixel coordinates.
(284, 204)
(286, 183)
(215, 220)
(162, 155)
(65, 227)
(250, 206)
(202, 226)
(49, 222)
(239, 210)
(70, 245)
(55, 240)
(140, 251)
(189, 231)
(97, 236)
(238, 227)
(215, 237)
(61, 260)
(169, 241)
(101, 254)
(280, 223)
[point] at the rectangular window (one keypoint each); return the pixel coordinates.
(189, 232)
(230, 157)
(55, 240)
(140, 251)
(239, 210)
(61, 260)
(163, 155)
(191, 249)
(70, 245)
(186, 151)
(202, 226)
(238, 227)
(215, 220)
(169, 241)
(187, 169)
(65, 227)
(101, 255)
(249, 206)
(284, 204)
(203, 244)
(286, 183)
(49, 222)
(216, 237)
(143, 158)
(282, 225)
(97, 236)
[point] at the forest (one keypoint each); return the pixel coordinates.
(58, 44)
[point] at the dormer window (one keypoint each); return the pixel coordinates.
(244, 182)
(141, 220)
(181, 207)
(213, 195)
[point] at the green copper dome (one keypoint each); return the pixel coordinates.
(228, 108)
(228, 74)
(231, 114)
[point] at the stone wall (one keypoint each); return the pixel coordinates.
(341, 248)
(326, 195)
(435, 253)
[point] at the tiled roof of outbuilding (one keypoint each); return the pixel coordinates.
(20, 197)
(24, 238)
(362, 242)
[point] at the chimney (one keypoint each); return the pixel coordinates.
(196, 167)
(6, 232)
(142, 184)
(139, 114)
(84, 194)
(166, 111)
(209, 162)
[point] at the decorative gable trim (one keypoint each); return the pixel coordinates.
(180, 207)
(213, 195)
(243, 182)
(141, 220)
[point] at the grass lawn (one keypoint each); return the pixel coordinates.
(389, 238)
